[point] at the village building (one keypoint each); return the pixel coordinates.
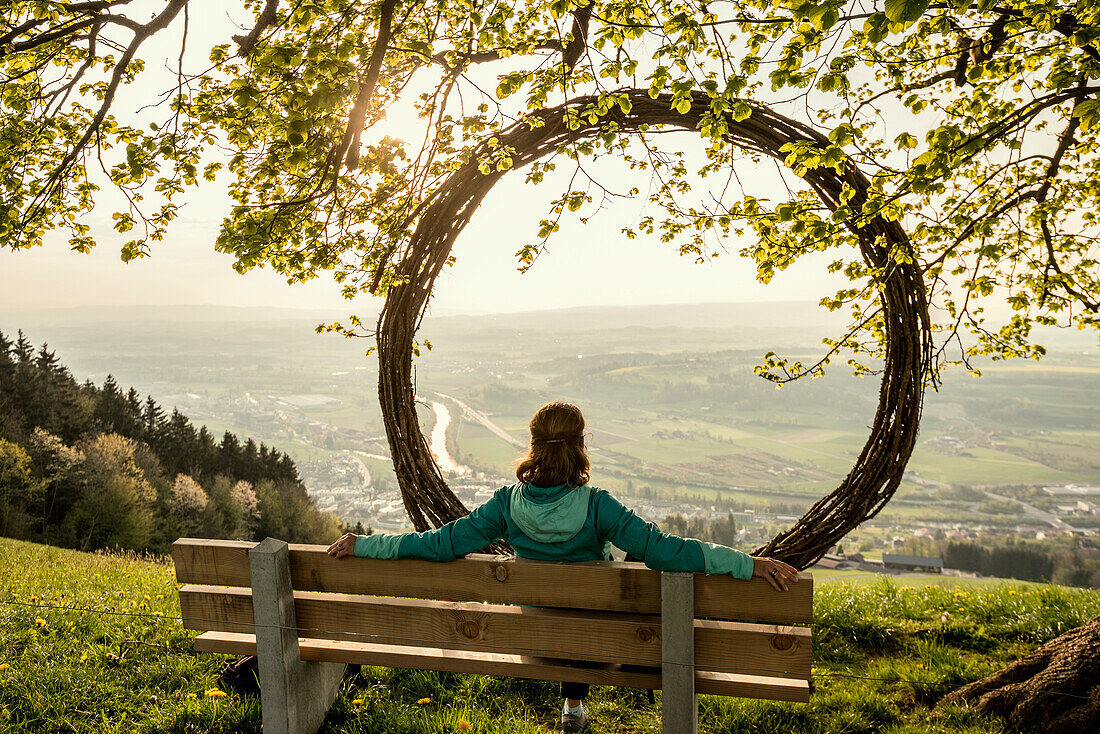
(898, 562)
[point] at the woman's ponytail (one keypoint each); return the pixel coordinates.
(556, 455)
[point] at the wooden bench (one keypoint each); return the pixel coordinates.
(306, 615)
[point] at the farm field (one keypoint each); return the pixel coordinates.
(673, 406)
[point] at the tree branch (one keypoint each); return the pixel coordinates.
(56, 177)
(246, 43)
(573, 50)
(346, 152)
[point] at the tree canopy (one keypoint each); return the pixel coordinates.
(975, 121)
(947, 150)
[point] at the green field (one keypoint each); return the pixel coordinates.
(671, 399)
(885, 653)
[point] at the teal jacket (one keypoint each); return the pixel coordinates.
(559, 524)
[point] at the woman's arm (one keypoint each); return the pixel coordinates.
(667, 552)
(482, 527)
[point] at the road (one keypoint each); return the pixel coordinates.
(1034, 513)
(476, 416)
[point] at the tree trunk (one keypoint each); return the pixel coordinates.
(1054, 689)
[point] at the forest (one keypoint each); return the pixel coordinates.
(1070, 561)
(90, 467)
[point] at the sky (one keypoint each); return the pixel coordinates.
(591, 264)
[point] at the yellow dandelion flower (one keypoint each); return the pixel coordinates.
(1012, 592)
(3, 667)
(425, 701)
(40, 622)
(214, 693)
(192, 696)
(84, 658)
(464, 725)
(356, 701)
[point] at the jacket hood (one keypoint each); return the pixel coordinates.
(550, 515)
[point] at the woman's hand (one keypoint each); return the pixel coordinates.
(776, 573)
(344, 546)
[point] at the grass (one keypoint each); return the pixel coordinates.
(67, 671)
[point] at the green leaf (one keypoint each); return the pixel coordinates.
(876, 27)
(905, 11)
(1088, 112)
(905, 140)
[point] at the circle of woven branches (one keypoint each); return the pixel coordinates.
(877, 472)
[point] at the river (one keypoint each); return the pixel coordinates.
(438, 441)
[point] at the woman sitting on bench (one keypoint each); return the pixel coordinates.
(552, 514)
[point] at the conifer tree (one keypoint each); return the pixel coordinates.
(250, 461)
(207, 452)
(7, 374)
(180, 444)
(131, 415)
(110, 407)
(24, 350)
(229, 453)
(152, 422)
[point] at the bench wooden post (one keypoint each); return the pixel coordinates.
(294, 695)
(679, 704)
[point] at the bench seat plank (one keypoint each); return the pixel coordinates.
(602, 585)
(731, 647)
(488, 663)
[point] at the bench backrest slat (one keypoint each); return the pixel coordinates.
(617, 587)
(728, 647)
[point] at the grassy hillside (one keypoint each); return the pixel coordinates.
(885, 653)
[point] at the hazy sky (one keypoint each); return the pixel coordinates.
(591, 264)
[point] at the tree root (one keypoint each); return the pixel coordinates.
(1054, 689)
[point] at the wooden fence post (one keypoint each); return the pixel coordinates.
(294, 695)
(679, 704)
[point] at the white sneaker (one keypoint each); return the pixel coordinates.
(573, 722)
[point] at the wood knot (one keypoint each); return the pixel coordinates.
(645, 634)
(469, 629)
(782, 642)
(501, 573)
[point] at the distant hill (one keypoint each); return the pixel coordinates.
(780, 314)
(683, 315)
(806, 319)
(30, 318)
